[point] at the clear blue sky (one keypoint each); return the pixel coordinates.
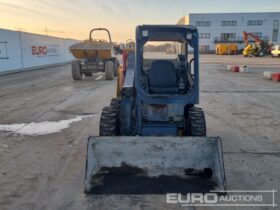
(74, 18)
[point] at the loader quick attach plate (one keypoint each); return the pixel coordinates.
(154, 165)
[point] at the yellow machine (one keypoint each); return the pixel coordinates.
(90, 49)
(258, 49)
(94, 56)
(275, 51)
(250, 50)
(226, 49)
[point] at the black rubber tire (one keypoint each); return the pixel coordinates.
(109, 70)
(76, 71)
(116, 67)
(109, 122)
(88, 74)
(115, 104)
(196, 122)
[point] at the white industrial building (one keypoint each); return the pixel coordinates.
(228, 27)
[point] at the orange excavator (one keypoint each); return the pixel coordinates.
(258, 49)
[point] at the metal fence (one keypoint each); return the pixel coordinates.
(20, 51)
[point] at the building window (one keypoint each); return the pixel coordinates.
(204, 35)
(258, 34)
(204, 48)
(254, 22)
(228, 36)
(275, 31)
(229, 23)
(275, 35)
(276, 24)
(203, 23)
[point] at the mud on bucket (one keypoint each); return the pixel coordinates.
(154, 165)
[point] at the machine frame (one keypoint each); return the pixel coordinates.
(133, 77)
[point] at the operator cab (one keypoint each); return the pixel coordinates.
(166, 78)
(166, 62)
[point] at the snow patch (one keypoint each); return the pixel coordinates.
(99, 77)
(41, 128)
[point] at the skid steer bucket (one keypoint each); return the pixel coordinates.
(154, 165)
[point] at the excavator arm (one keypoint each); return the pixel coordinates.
(247, 35)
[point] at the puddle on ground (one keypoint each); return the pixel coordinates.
(41, 128)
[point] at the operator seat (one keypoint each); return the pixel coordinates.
(163, 78)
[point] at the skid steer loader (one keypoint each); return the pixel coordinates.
(153, 137)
